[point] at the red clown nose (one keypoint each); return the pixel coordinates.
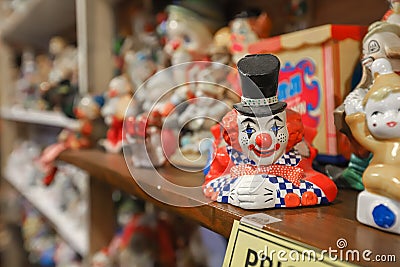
(263, 140)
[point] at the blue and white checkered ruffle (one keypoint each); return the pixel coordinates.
(222, 185)
(291, 158)
(238, 157)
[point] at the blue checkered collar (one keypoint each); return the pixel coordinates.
(291, 158)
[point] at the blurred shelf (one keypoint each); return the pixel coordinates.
(38, 21)
(74, 233)
(319, 227)
(50, 118)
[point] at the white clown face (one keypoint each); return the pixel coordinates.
(382, 45)
(263, 139)
(383, 117)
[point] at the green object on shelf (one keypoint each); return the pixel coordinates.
(353, 173)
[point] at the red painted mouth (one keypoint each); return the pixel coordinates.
(391, 123)
(261, 153)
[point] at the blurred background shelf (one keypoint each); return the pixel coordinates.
(73, 232)
(50, 118)
(39, 20)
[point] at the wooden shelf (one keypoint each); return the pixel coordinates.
(38, 21)
(50, 118)
(75, 234)
(319, 227)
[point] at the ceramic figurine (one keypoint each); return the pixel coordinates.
(264, 172)
(189, 30)
(147, 241)
(149, 144)
(27, 93)
(139, 66)
(189, 36)
(377, 128)
(393, 14)
(61, 87)
(299, 15)
(86, 111)
(381, 41)
(247, 28)
(219, 50)
(117, 100)
(101, 259)
(208, 106)
(65, 256)
(65, 61)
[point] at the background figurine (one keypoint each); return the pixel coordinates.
(393, 14)
(61, 88)
(247, 28)
(149, 144)
(264, 173)
(377, 128)
(86, 111)
(189, 30)
(381, 41)
(118, 97)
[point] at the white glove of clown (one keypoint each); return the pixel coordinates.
(252, 192)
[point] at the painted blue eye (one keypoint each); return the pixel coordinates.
(275, 128)
(249, 130)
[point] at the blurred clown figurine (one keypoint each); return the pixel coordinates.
(87, 110)
(263, 172)
(189, 29)
(118, 98)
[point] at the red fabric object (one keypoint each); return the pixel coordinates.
(49, 178)
(114, 133)
(160, 234)
(165, 243)
(133, 227)
(290, 173)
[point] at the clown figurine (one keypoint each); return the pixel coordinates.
(393, 14)
(377, 128)
(87, 111)
(117, 100)
(262, 172)
(247, 28)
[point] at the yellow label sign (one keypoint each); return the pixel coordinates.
(250, 246)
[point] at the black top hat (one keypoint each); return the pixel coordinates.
(259, 80)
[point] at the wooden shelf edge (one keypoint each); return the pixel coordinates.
(49, 118)
(76, 237)
(318, 227)
(112, 169)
